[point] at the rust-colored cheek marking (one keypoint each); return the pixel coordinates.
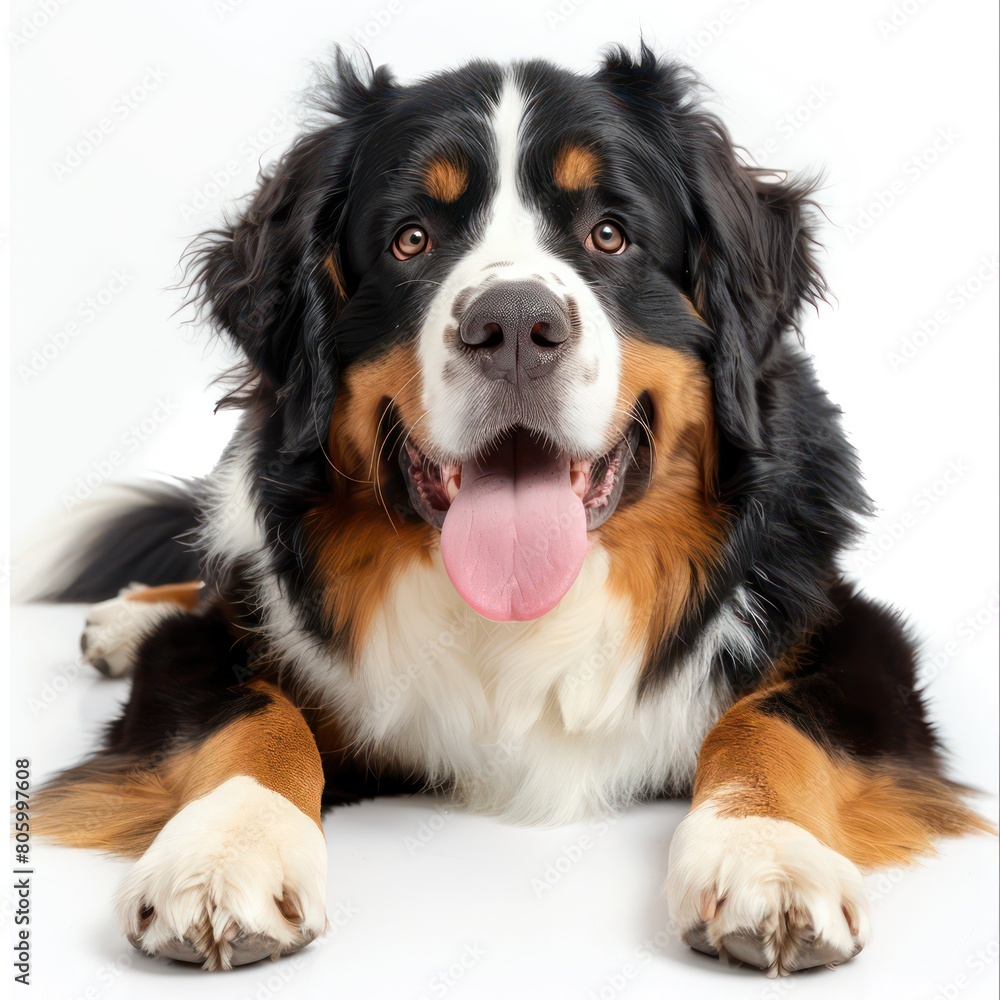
(445, 180)
(575, 168)
(662, 545)
(359, 542)
(366, 392)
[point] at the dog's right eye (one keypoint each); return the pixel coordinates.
(410, 241)
(607, 237)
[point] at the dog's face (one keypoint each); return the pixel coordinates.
(518, 306)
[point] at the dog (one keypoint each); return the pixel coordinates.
(535, 500)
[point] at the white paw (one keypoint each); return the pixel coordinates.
(764, 891)
(115, 628)
(236, 876)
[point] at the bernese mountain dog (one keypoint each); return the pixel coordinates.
(534, 500)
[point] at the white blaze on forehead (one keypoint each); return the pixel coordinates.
(512, 227)
(513, 234)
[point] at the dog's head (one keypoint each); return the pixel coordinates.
(518, 305)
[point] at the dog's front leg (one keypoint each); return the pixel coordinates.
(828, 770)
(238, 873)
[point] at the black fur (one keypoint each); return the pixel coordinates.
(742, 247)
(146, 539)
(304, 281)
(856, 688)
(191, 683)
(707, 228)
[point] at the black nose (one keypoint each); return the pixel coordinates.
(517, 329)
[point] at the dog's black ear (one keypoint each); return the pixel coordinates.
(272, 277)
(750, 244)
(752, 270)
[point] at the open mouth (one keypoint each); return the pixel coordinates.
(514, 518)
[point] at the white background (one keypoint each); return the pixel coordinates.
(214, 89)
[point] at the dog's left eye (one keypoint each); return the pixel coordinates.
(410, 241)
(606, 236)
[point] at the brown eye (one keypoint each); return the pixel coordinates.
(410, 241)
(606, 237)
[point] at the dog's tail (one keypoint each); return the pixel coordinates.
(139, 533)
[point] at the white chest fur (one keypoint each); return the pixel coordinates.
(537, 721)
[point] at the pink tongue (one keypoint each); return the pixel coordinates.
(514, 538)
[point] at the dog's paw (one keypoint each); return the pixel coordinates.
(115, 628)
(765, 892)
(236, 876)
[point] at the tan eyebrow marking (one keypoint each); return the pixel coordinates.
(575, 168)
(445, 180)
(333, 270)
